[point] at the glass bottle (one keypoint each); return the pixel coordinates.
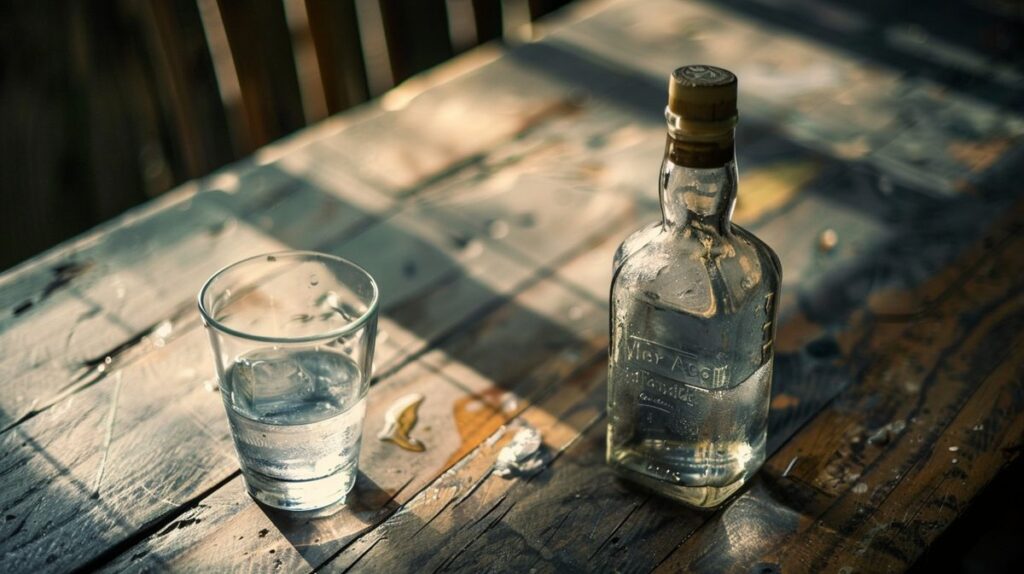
(693, 304)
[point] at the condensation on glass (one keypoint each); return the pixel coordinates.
(693, 307)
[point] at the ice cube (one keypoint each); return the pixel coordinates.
(266, 379)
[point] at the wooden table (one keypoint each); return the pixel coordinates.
(487, 198)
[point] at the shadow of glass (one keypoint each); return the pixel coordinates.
(310, 532)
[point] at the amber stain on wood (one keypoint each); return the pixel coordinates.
(475, 417)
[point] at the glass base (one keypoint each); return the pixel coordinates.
(320, 496)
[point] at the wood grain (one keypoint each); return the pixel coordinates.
(540, 517)
(417, 35)
(907, 127)
(440, 262)
(493, 246)
(187, 85)
(71, 307)
(339, 54)
(472, 385)
(872, 479)
(261, 47)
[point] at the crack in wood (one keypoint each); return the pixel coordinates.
(476, 484)
(152, 528)
(353, 564)
(446, 563)
(604, 543)
(98, 368)
(434, 516)
(108, 436)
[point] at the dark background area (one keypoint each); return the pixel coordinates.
(987, 537)
(108, 103)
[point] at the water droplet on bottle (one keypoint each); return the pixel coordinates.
(314, 280)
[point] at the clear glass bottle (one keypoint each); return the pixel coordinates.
(693, 303)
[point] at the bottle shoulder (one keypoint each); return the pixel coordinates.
(697, 273)
(764, 251)
(634, 242)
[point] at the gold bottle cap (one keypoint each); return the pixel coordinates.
(701, 100)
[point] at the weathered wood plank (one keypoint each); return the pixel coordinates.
(261, 47)
(433, 124)
(914, 130)
(466, 502)
(101, 298)
(486, 20)
(339, 53)
(82, 512)
(477, 218)
(472, 386)
(295, 194)
(417, 35)
(755, 215)
(527, 526)
(187, 85)
(441, 256)
(871, 480)
(544, 538)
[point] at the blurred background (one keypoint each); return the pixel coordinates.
(107, 103)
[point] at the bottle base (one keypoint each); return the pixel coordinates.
(697, 497)
(318, 497)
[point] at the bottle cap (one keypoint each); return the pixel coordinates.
(702, 99)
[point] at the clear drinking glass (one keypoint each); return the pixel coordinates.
(293, 336)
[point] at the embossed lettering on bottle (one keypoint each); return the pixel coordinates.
(692, 315)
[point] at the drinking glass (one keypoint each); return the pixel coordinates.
(292, 336)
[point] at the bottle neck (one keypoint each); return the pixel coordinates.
(698, 184)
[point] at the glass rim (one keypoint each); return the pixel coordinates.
(348, 328)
